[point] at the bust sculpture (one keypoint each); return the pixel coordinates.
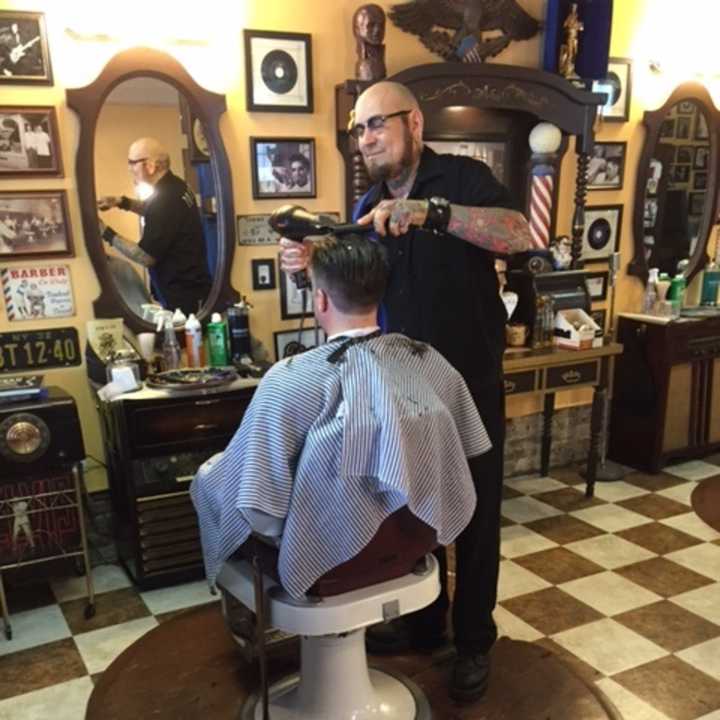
(369, 31)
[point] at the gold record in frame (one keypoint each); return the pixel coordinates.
(199, 138)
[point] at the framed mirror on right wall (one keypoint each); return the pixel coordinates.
(677, 185)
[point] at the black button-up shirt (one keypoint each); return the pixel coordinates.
(444, 290)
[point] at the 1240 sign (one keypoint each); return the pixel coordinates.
(36, 349)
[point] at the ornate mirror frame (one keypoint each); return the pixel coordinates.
(87, 102)
(653, 119)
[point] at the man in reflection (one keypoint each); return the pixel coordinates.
(172, 244)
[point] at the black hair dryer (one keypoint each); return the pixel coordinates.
(296, 223)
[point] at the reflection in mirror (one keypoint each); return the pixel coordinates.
(675, 189)
(162, 248)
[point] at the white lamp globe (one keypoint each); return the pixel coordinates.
(545, 138)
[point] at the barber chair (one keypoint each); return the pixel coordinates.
(393, 575)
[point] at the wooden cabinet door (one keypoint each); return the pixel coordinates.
(714, 399)
(676, 427)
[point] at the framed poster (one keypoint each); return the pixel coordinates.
(278, 71)
(34, 223)
(617, 87)
(283, 168)
(294, 342)
(35, 292)
(29, 144)
(24, 53)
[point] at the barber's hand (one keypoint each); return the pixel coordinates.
(396, 216)
(294, 256)
(107, 202)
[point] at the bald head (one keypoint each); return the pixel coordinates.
(148, 160)
(390, 95)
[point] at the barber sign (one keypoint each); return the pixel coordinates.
(34, 292)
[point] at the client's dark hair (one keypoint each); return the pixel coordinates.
(352, 269)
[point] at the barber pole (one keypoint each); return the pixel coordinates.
(541, 194)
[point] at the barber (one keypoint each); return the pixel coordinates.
(172, 246)
(442, 218)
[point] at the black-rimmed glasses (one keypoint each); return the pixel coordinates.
(376, 122)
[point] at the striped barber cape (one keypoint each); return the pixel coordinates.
(334, 448)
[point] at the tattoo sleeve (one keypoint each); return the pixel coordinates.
(132, 251)
(496, 229)
(136, 206)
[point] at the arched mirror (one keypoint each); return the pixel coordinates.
(141, 93)
(676, 192)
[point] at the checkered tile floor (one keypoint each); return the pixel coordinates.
(624, 587)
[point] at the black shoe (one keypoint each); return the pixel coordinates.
(394, 638)
(470, 676)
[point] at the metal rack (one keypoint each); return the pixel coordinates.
(17, 514)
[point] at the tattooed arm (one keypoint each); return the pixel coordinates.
(129, 249)
(495, 229)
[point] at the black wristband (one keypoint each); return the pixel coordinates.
(438, 215)
(108, 235)
(124, 203)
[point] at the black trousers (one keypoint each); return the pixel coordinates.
(477, 549)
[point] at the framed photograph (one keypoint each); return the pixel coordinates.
(650, 211)
(255, 230)
(29, 142)
(682, 128)
(684, 155)
(700, 181)
(278, 71)
(617, 87)
(607, 166)
(263, 274)
(701, 158)
(283, 168)
(701, 127)
(680, 174)
(696, 203)
(292, 342)
(492, 152)
(294, 303)
(24, 53)
(686, 107)
(601, 235)
(34, 223)
(667, 129)
(600, 317)
(35, 292)
(597, 285)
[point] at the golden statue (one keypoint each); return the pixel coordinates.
(572, 28)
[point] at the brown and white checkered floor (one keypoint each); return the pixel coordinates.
(625, 587)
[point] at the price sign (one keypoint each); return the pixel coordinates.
(39, 349)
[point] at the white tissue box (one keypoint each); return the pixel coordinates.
(567, 336)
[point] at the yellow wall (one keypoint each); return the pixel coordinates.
(213, 54)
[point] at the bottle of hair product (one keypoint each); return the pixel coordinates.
(239, 331)
(170, 346)
(711, 284)
(650, 297)
(193, 342)
(676, 293)
(217, 341)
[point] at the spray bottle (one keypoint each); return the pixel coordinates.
(170, 347)
(193, 342)
(217, 341)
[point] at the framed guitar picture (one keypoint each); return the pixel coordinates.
(24, 52)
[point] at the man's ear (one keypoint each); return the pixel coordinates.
(417, 124)
(321, 300)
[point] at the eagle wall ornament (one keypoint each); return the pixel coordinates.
(468, 19)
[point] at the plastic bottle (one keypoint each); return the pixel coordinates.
(170, 347)
(650, 297)
(239, 332)
(193, 342)
(711, 284)
(217, 341)
(676, 293)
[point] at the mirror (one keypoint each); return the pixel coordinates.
(142, 93)
(676, 187)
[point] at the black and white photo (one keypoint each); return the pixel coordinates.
(34, 223)
(701, 158)
(607, 166)
(294, 342)
(682, 128)
(701, 127)
(283, 168)
(29, 142)
(617, 87)
(597, 285)
(24, 53)
(278, 71)
(294, 303)
(492, 152)
(650, 211)
(263, 274)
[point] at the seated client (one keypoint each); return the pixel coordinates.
(338, 438)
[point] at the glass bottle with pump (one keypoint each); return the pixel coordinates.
(170, 346)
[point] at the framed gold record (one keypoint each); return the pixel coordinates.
(199, 139)
(278, 71)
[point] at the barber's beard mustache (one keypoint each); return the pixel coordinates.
(387, 171)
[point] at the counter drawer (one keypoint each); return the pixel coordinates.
(564, 376)
(520, 382)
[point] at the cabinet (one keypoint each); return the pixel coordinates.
(155, 442)
(666, 402)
